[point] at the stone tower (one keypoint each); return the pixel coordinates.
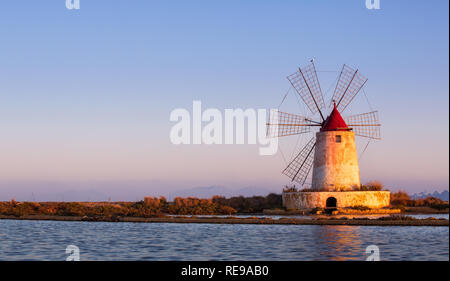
(335, 158)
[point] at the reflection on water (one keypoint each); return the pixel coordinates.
(47, 240)
(334, 239)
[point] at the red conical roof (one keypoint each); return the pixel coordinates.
(334, 122)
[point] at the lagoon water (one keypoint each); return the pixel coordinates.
(47, 240)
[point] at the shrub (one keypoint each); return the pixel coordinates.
(289, 188)
(250, 204)
(400, 198)
(360, 208)
(372, 186)
(149, 207)
(398, 218)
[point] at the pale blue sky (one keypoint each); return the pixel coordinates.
(85, 95)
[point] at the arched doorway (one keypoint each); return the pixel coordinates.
(331, 203)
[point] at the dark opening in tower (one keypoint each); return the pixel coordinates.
(331, 202)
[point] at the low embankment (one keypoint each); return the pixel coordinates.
(385, 221)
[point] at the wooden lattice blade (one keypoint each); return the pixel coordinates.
(365, 125)
(306, 83)
(286, 124)
(301, 165)
(348, 86)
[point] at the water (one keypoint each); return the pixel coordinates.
(47, 240)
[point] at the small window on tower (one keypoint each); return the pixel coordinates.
(338, 138)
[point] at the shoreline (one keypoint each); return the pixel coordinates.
(393, 211)
(235, 220)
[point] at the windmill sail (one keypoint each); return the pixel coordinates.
(349, 84)
(300, 166)
(287, 124)
(306, 83)
(365, 124)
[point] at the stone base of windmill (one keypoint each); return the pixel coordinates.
(335, 199)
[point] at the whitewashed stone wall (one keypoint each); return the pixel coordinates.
(309, 200)
(335, 163)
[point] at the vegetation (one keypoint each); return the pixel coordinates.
(155, 207)
(149, 207)
(317, 209)
(255, 204)
(401, 199)
(360, 208)
(397, 218)
(289, 188)
(372, 186)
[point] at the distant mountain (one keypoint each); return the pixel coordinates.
(210, 191)
(442, 195)
(118, 191)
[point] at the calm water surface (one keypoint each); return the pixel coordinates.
(47, 240)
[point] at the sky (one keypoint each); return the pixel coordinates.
(86, 95)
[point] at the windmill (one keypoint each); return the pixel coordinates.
(331, 152)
